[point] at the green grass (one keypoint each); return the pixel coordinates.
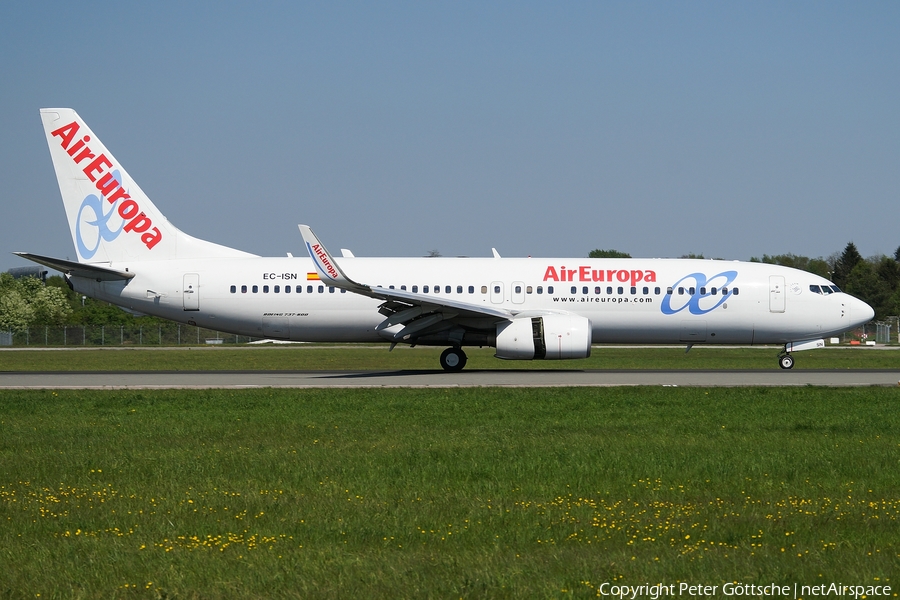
(444, 493)
(358, 357)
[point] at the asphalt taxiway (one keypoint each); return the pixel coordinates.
(440, 379)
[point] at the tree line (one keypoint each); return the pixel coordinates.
(29, 302)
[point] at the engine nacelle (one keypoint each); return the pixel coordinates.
(547, 337)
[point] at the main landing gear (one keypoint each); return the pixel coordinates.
(453, 359)
(785, 360)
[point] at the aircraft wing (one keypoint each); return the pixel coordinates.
(75, 269)
(416, 313)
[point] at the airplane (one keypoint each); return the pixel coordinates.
(130, 255)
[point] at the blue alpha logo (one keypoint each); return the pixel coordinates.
(95, 223)
(698, 294)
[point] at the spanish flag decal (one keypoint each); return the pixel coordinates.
(312, 277)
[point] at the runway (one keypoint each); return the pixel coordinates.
(438, 379)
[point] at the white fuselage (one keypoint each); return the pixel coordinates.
(650, 301)
(527, 308)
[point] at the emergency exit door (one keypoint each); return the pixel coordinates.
(497, 292)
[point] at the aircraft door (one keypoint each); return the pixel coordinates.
(518, 292)
(776, 294)
(497, 292)
(191, 291)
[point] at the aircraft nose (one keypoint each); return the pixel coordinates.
(861, 312)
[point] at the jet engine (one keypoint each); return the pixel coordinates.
(546, 337)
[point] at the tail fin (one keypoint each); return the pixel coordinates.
(110, 218)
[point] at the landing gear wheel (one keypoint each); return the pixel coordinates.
(453, 359)
(786, 361)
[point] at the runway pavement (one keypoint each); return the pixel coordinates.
(440, 379)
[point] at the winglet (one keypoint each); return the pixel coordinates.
(325, 264)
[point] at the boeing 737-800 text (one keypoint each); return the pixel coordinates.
(526, 308)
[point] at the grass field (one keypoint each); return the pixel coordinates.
(309, 357)
(444, 493)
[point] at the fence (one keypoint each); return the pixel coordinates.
(167, 334)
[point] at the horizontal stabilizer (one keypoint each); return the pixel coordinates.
(78, 269)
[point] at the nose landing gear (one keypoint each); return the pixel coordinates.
(785, 360)
(453, 359)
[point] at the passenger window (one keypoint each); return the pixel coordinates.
(693, 290)
(621, 290)
(549, 289)
(299, 289)
(703, 291)
(496, 289)
(597, 290)
(415, 289)
(287, 289)
(403, 287)
(321, 289)
(255, 289)
(574, 289)
(424, 289)
(459, 289)
(471, 289)
(390, 287)
(681, 291)
(518, 289)
(668, 291)
(646, 291)
(713, 291)
(234, 289)
(484, 289)
(447, 289)
(724, 291)
(633, 290)
(540, 289)
(528, 289)
(437, 289)
(656, 291)
(265, 289)
(243, 289)
(584, 290)
(309, 289)
(609, 290)
(343, 291)
(735, 291)
(330, 289)
(277, 289)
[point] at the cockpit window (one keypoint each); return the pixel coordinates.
(824, 289)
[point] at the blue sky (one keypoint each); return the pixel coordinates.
(547, 129)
